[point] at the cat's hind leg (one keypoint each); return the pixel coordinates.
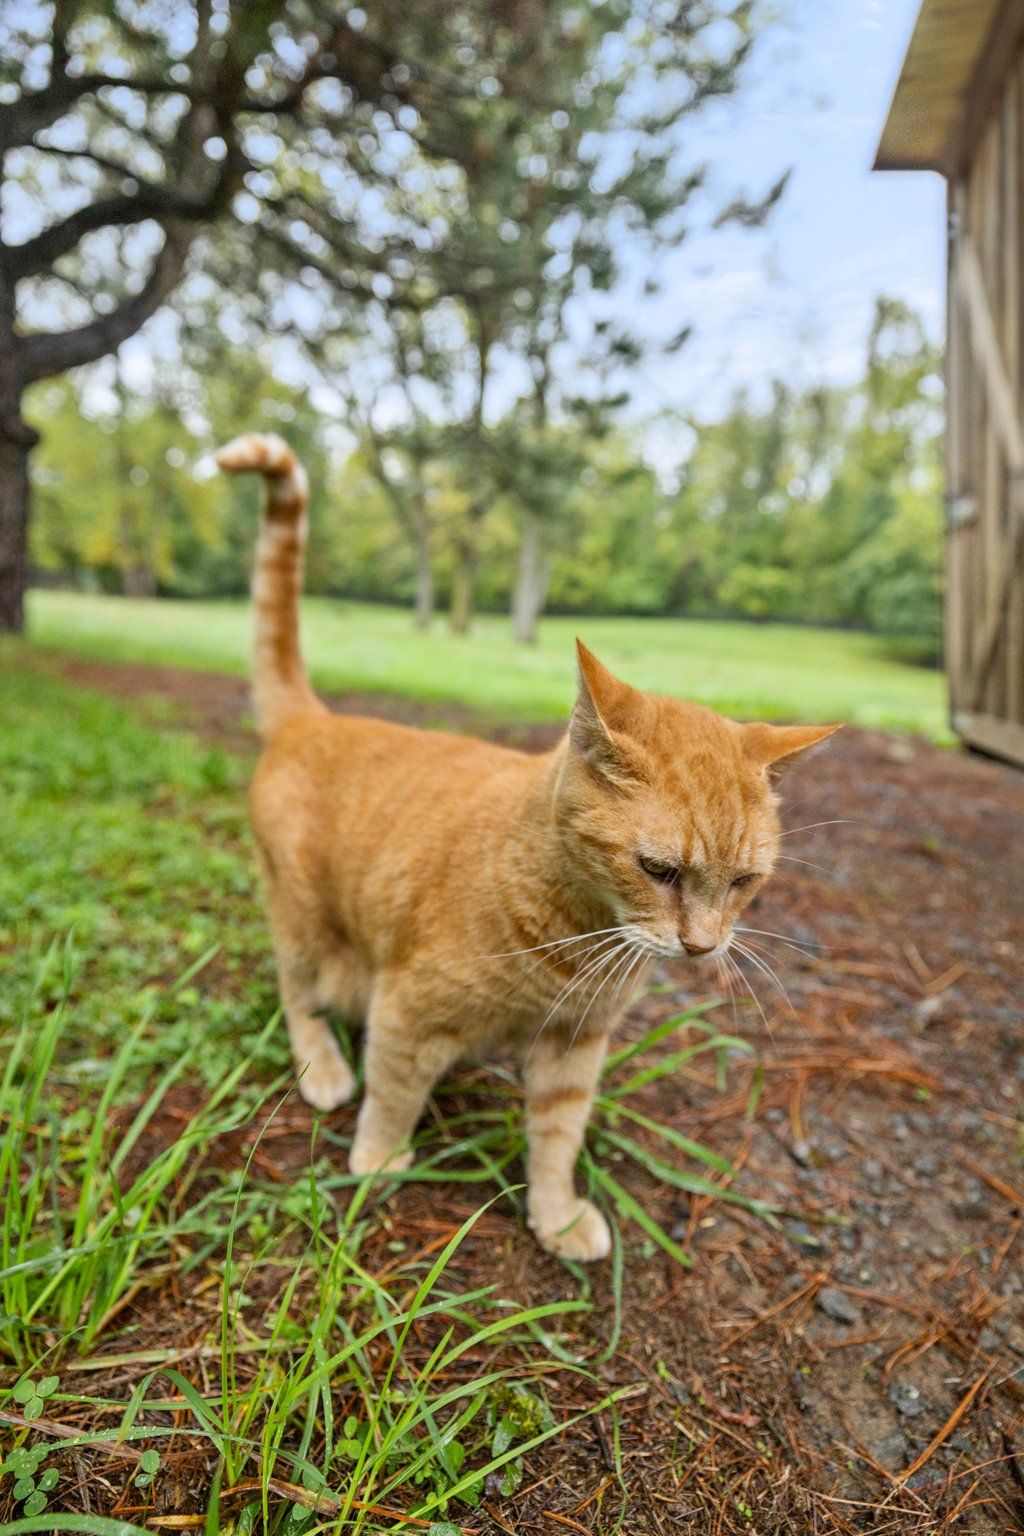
(343, 984)
(326, 1078)
(315, 970)
(402, 1064)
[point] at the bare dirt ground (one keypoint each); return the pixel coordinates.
(862, 1368)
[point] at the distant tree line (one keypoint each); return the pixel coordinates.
(818, 505)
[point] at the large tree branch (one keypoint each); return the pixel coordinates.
(48, 353)
(39, 254)
(102, 162)
(150, 200)
(34, 111)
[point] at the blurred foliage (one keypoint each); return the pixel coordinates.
(433, 188)
(822, 505)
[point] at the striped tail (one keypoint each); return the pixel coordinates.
(280, 686)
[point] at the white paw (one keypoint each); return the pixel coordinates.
(366, 1158)
(584, 1235)
(327, 1081)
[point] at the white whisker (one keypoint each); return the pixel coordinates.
(605, 979)
(767, 959)
(766, 933)
(747, 986)
(592, 968)
(649, 945)
(576, 958)
(595, 964)
(838, 821)
(725, 981)
(790, 859)
(766, 970)
(625, 970)
(576, 938)
(638, 959)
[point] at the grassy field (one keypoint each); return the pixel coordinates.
(204, 1319)
(779, 672)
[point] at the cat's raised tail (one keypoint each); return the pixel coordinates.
(280, 685)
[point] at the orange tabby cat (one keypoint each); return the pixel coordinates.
(462, 897)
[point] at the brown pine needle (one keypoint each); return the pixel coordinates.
(1001, 1187)
(574, 1525)
(946, 1430)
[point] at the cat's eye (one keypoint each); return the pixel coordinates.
(741, 880)
(659, 870)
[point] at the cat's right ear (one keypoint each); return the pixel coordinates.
(597, 697)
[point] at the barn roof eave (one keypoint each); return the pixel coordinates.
(957, 53)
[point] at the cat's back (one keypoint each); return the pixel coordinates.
(321, 765)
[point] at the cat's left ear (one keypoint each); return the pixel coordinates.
(776, 746)
(600, 717)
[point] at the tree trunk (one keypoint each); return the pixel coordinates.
(531, 583)
(17, 439)
(138, 577)
(424, 610)
(138, 581)
(460, 615)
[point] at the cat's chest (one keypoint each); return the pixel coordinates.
(522, 1002)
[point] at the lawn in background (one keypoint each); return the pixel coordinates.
(771, 671)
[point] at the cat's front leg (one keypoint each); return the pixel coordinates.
(403, 1062)
(561, 1080)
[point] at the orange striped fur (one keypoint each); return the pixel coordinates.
(280, 685)
(462, 898)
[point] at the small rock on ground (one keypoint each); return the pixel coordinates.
(836, 1304)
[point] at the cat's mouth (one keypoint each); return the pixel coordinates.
(681, 949)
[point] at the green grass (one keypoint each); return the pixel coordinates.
(188, 1312)
(137, 842)
(772, 671)
(322, 1396)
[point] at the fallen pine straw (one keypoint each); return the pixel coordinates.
(69, 1432)
(1013, 1196)
(319, 1503)
(574, 1525)
(806, 1293)
(946, 1430)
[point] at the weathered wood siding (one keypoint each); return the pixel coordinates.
(985, 605)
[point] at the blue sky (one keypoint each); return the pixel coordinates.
(797, 298)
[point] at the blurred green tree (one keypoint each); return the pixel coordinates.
(297, 134)
(822, 504)
(114, 499)
(572, 163)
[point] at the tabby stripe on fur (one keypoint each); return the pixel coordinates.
(280, 684)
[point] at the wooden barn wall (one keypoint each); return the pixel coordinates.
(985, 608)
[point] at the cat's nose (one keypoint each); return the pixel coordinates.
(698, 949)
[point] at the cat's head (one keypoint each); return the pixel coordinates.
(668, 811)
